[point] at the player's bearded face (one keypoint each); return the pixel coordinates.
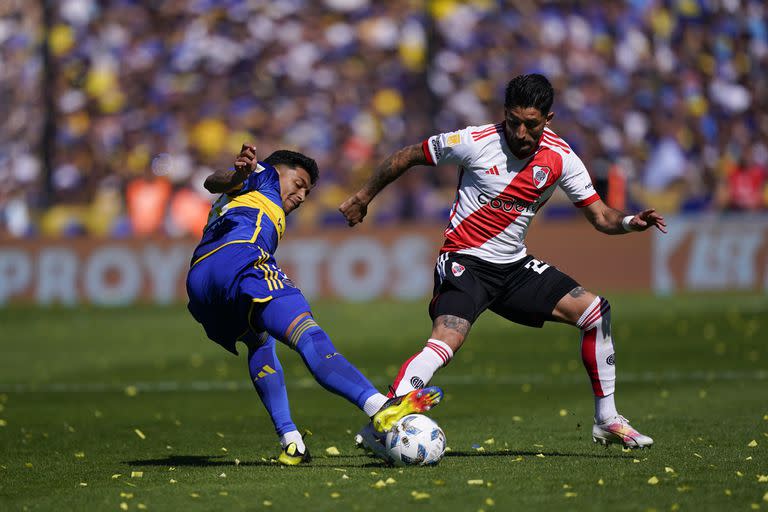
(523, 127)
(295, 186)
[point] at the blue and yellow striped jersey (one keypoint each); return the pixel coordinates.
(252, 215)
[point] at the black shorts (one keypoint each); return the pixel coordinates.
(525, 292)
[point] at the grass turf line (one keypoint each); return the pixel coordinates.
(541, 455)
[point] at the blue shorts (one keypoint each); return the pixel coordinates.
(226, 296)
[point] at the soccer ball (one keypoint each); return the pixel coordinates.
(415, 440)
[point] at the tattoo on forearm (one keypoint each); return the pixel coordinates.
(394, 166)
(456, 324)
(577, 292)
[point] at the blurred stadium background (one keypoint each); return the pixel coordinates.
(113, 111)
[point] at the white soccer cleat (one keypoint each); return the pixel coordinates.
(372, 441)
(617, 430)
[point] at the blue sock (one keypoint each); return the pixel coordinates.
(330, 369)
(269, 381)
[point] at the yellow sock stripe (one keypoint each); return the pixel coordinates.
(306, 324)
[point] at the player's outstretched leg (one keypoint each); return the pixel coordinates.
(598, 355)
(417, 371)
(268, 379)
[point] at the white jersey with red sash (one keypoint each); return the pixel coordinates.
(498, 194)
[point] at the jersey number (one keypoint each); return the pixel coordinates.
(537, 266)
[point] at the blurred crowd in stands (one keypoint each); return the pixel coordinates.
(666, 101)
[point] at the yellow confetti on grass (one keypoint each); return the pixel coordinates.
(116, 476)
(379, 485)
(728, 492)
(223, 475)
(540, 455)
(475, 482)
(765, 496)
(141, 506)
(739, 474)
(126, 495)
(194, 495)
(3, 423)
(27, 464)
(79, 455)
(417, 495)
(490, 502)
(139, 433)
(390, 481)
(517, 419)
(83, 484)
(684, 488)
(332, 450)
(489, 441)
(563, 412)
(131, 391)
(335, 495)
(171, 481)
(762, 478)
(267, 503)
(653, 480)
(600, 482)
(571, 494)
(752, 444)
(668, 469)
(137, 474)
(123, 506)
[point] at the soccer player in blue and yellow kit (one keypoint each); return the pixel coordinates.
(238, 293)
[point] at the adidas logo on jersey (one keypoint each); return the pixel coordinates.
(493, 170)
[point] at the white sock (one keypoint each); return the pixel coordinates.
(293, 437)
(605, 408)
(374, 403)
(419, 369)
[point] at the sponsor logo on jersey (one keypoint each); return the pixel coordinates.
(540, 175)
(457, 269)
(611, 359)
(453, 139)
(417, 382)
(513, 203)
(587, 186)
(437, 148)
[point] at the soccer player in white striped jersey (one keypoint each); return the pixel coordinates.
(507, 171)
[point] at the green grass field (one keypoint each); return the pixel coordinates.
(90, 397)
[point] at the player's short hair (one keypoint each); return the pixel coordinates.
(532, 90)
(294, 159)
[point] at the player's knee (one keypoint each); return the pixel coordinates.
(598, 310)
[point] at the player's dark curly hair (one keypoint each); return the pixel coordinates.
(532, 90)
(294, 159)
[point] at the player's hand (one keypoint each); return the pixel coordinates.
(646, 219)
(246, 161)
(354, 209)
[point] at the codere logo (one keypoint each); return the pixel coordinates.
(513, 203)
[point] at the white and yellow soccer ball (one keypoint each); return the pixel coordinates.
(415, 440)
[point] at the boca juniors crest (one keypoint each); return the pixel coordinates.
(540, 175)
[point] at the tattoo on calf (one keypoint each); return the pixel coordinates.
(577, 292)
(456, 324)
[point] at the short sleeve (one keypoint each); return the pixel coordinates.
(256, 179)
(447, 148)
(576, 182)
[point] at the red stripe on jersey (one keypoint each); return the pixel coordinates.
(456, 201)
(487, 222)
(555, 137)
(427, 154)
(588, 356)
(486, 132)
(547, 139)
(588, 201)
(487, 129)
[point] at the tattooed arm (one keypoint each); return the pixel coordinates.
(356, 207)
